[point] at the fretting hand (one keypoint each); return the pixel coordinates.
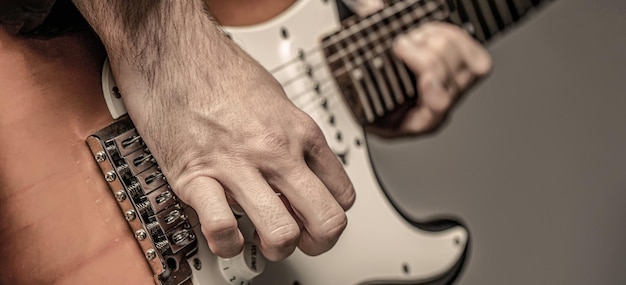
(446, 61)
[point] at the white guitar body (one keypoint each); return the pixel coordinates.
(379, 245)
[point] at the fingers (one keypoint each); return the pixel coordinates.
(465, 58)
(219, 225)
(323, 219)
(317, 189)
(446, 61)
(325, 164)
(435, 101)
(277, 229)
(309, 213)
(434, 83)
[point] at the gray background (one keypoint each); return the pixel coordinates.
(534, 160)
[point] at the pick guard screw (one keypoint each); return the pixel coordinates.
(197, 264)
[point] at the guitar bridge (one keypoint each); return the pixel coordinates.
(159, 221)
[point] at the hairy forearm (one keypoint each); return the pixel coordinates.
(149, 40)
(169, 56)
(221, 128)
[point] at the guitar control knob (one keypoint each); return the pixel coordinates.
(243, 267)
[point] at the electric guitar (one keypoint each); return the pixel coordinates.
(61, 198)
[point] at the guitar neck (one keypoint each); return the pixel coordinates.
(374, 83)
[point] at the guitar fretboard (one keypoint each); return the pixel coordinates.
(374, 83)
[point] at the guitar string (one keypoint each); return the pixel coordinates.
(434, 12)
(356, 49)
(379, 15)
(278, 68)
(325, 88)
(339, 36)
(320, 82)
(375, 51)
(353, 52)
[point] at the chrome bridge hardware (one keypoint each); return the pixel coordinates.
(157, 219)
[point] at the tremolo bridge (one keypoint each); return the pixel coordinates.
(161, 223)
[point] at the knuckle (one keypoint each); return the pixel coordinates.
(283, 237)
(400, 44)
(440, 44)
(274, 143)
(441, 105)
(347, 197)
(430, 124)
(316, 142)
(219, 227)
(431, 63)
(310, 130)
(333, 228)
(455, 30)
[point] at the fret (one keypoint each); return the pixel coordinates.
(505, 13)
(398, 25)
(473, 19)
(522, 6)
(405, 78)
(407, 20)
(355, 78)
(371, 92)
(464, 18)
(392, 78)
(391, 75)
(482, 23)
(376, 64)
(496, 14)
(364, 76)
(488, 16)
(491, 17)
(513, 9)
